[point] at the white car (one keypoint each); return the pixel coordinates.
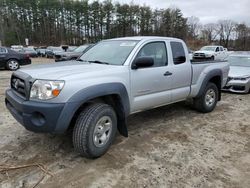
(211, 52)
(17, 48)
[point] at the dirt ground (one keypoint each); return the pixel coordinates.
(172, 146)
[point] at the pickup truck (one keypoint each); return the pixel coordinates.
(114, 79)
(211, 53)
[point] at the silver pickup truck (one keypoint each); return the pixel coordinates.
(96, 93)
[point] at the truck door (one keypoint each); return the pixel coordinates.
(182, 72)
(150, 87)
(222, 53)
(217, 54)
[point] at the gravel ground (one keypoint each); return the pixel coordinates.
(172, 146)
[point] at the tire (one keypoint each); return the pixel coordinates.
(88, 137)
(12, 64)
(212, 58)
(208, 99)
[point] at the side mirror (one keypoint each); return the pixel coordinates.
(179, 60)
(143, 62)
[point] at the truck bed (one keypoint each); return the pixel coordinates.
(200, 61)
(202, 68)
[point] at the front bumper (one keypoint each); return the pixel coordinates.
(37, 116)
(238, 86)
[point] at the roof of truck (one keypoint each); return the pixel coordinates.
(144, 38)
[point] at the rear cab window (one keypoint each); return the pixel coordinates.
(178, 53)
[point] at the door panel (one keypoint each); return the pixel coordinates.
(181, 81)
(150, 87)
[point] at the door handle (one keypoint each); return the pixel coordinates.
(168, 73)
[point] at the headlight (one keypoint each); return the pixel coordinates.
(45, 89)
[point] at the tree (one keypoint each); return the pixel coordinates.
(226, 28)
(210, 32)
(194, 26)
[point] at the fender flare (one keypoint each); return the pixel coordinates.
(209, 76)
(92, 92)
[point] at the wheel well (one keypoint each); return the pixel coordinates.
(217, 81)
(113, 100)
(12, 59)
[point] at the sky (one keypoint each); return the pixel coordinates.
(208, 11)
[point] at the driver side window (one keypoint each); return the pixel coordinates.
(157, 51)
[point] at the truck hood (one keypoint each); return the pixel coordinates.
(205, 52)
(61, 70)
(237, 71)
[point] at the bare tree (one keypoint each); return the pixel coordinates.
(226, 28)
(210, 32)
(194, 26)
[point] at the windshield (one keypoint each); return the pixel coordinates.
(114, 52)
(239, 61)
(80, 48)
(208, 48)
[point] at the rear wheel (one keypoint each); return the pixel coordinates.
(212, 58)
(208, 99)
(95, 130)
(12, 64)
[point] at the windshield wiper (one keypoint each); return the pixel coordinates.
(99, 62)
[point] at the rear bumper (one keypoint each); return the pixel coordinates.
(237, 86)
(38, 116)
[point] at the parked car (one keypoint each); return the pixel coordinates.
(30, 51)
(211, 53)
(12, 60)
(17, 48)
(65, 56)
(239, 74)
(52, 50)
(71, 48)
(113, 79)
(41, 52)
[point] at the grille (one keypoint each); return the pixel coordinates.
(18, 85)
(199, 54)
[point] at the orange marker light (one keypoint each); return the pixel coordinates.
(56, 92)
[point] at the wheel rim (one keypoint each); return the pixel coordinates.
(210, 97)
(102, 132)
(13, 64)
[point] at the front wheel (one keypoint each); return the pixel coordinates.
(12, 65)
(95, 130)
(208, 99)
